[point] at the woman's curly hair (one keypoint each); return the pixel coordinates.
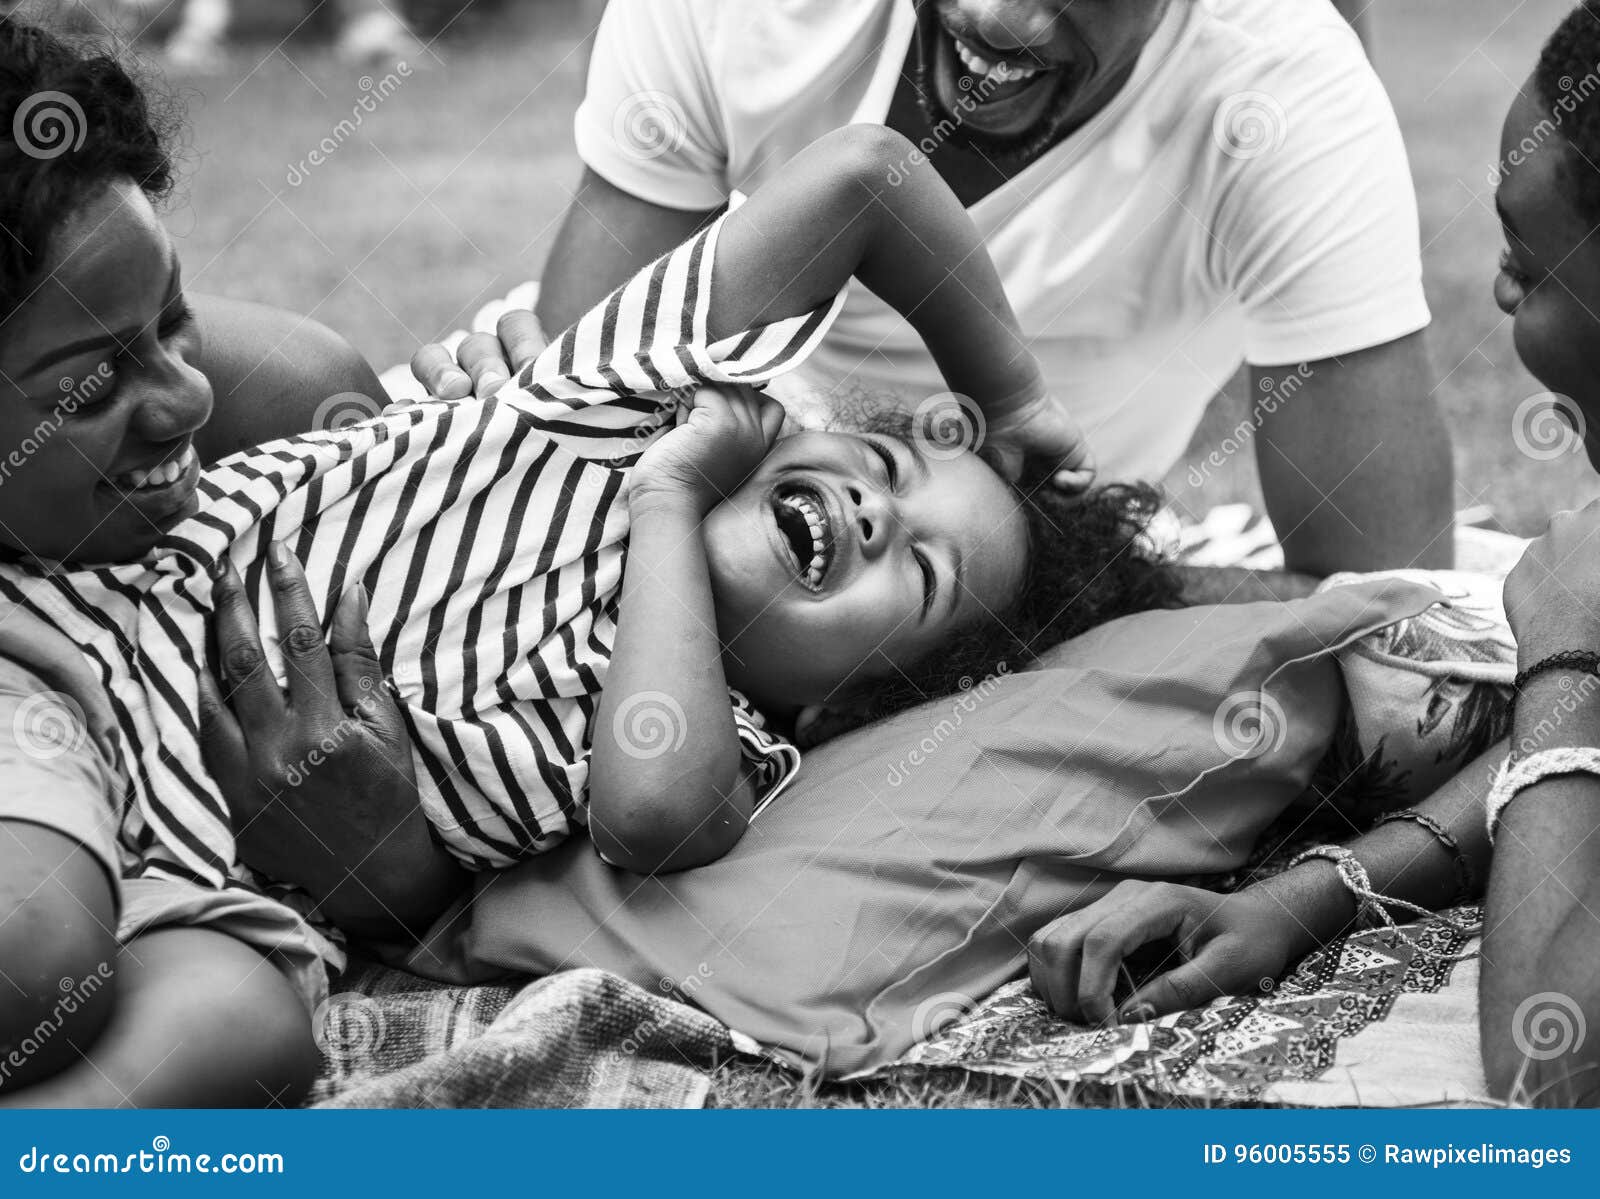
(74, 121)
(1568, 86)
(1089, 562)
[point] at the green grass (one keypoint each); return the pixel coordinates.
(450, 192)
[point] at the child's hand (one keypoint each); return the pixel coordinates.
(726, 434)
(1044, 429)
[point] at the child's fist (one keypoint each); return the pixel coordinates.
(724, 436)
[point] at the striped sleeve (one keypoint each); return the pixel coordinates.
(613, 380)
(774, 760)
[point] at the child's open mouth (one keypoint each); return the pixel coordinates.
(807, 533)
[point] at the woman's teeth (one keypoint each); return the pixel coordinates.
(161, 476)
(997, 72)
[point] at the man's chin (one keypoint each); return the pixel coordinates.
(1011, 130)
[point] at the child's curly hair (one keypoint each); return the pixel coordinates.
(76, 120)
(1089, 562)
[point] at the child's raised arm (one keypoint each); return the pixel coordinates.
(862, 202)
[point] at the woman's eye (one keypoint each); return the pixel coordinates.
(1508, 264)
(176, 319)
(891, 469)
(91, 390)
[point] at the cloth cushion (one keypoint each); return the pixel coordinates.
(912, 860)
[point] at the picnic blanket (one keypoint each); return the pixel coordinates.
(582, 1038)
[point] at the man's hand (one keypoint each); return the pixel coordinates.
(1213, 945)
(707, 457)
(1553, 594)
(1043, 429)
(319, 779)
(483, 364)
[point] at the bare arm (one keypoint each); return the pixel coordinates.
(834, 213)
(1541, 951)
(1539, 995)
(606, 236)
(1235, 944)
(1355, 461)
(270, 371)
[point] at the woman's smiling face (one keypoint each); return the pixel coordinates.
(101, 397)
(1549, 280)
(847, 556)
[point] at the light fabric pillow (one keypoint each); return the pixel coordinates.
(899, 878)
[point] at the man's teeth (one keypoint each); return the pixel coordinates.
(999, 72)
(803, 504)
(160, 476)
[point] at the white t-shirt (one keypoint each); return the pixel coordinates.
(1246, 197)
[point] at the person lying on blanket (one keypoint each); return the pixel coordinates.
(1541, 941)
(560, 584)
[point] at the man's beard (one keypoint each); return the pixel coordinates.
(1009, 152)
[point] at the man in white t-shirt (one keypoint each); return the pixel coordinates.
(1169, 188)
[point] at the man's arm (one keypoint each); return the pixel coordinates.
(1355, 461)
(270, 371)
(606, 236)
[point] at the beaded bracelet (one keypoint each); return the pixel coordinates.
(1466, 877)
(1375, 907)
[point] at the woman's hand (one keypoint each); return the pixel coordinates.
(1044, 429)
(727, 433)
(483, 363)
(1553, 594)
(1214, 945)
(319, 779)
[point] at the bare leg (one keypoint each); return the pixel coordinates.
(200, 1020)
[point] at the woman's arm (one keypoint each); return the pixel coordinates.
(1540, 984)
(1232, 944)
(270, 372)
(1539, 994)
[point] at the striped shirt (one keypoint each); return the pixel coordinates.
(490, 535)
